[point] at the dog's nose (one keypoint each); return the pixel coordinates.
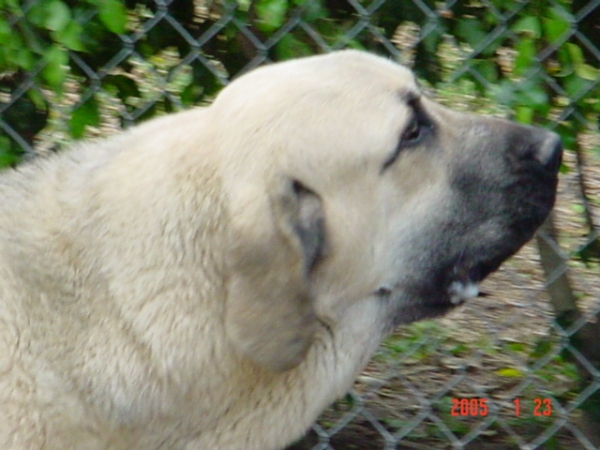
(529, 144)
(550, 152)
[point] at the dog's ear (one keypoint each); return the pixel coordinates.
(277, 236)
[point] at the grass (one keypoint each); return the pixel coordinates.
(504, 373)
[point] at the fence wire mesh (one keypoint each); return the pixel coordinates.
(500, 373)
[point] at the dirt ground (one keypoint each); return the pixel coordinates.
(499, 347)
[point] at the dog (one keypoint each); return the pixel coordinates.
(215, 278)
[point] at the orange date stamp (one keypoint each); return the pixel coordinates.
(479, 407)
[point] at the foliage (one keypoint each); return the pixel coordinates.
(98, 45)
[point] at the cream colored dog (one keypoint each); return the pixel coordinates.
(213, 279)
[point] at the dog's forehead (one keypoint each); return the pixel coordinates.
(358, 71)
(351, 70)
(364, 66)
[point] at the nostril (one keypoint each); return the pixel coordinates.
(550, 153)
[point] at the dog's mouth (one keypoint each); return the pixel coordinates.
(450, 286)
(463, 282)
(466, 274)
(455, 283)
(455, 279)
(461, 291)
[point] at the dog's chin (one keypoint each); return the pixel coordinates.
(435, 305)
(451, 286)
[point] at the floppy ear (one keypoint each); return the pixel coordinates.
(276, 237)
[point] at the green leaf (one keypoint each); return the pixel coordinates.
(84, 115)
(244, 5)
(70, 36)
(578, 209)
(113, 15)
(356, 45)
(191, 94)
(509, 372)
(37, 99)
(504, 92)
(563, 57)
(555, 28)
(271, 14)
(55, 71)
(568, 135)
(312, 10)
(5, 30)
(487, 68)
(124, 87)
(58, 15)
(526, 51)
(524, 114)
(24, 58)
(587, 72)
(528, 25)
(459, 349)
(290, 47)
(515, 346)
(37, 15)
(575, 85)
(577, 61)
(470, 30)
(533, 95)
(7, 157)
(149, 112)
(575, 53)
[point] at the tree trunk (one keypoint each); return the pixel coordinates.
(586, 339)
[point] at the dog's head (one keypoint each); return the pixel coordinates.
(347, 184)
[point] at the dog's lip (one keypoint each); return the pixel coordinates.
(450, 287)
(460, 291)
(463, 283)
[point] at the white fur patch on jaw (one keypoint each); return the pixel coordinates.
(460, 291)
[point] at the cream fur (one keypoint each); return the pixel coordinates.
(154, 293)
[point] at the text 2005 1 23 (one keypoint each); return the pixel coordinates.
(479, 407)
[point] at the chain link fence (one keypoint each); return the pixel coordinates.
(518, 368)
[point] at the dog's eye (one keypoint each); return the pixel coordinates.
(413, 132)
(418, 128)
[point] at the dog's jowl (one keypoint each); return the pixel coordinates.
(213, 279)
